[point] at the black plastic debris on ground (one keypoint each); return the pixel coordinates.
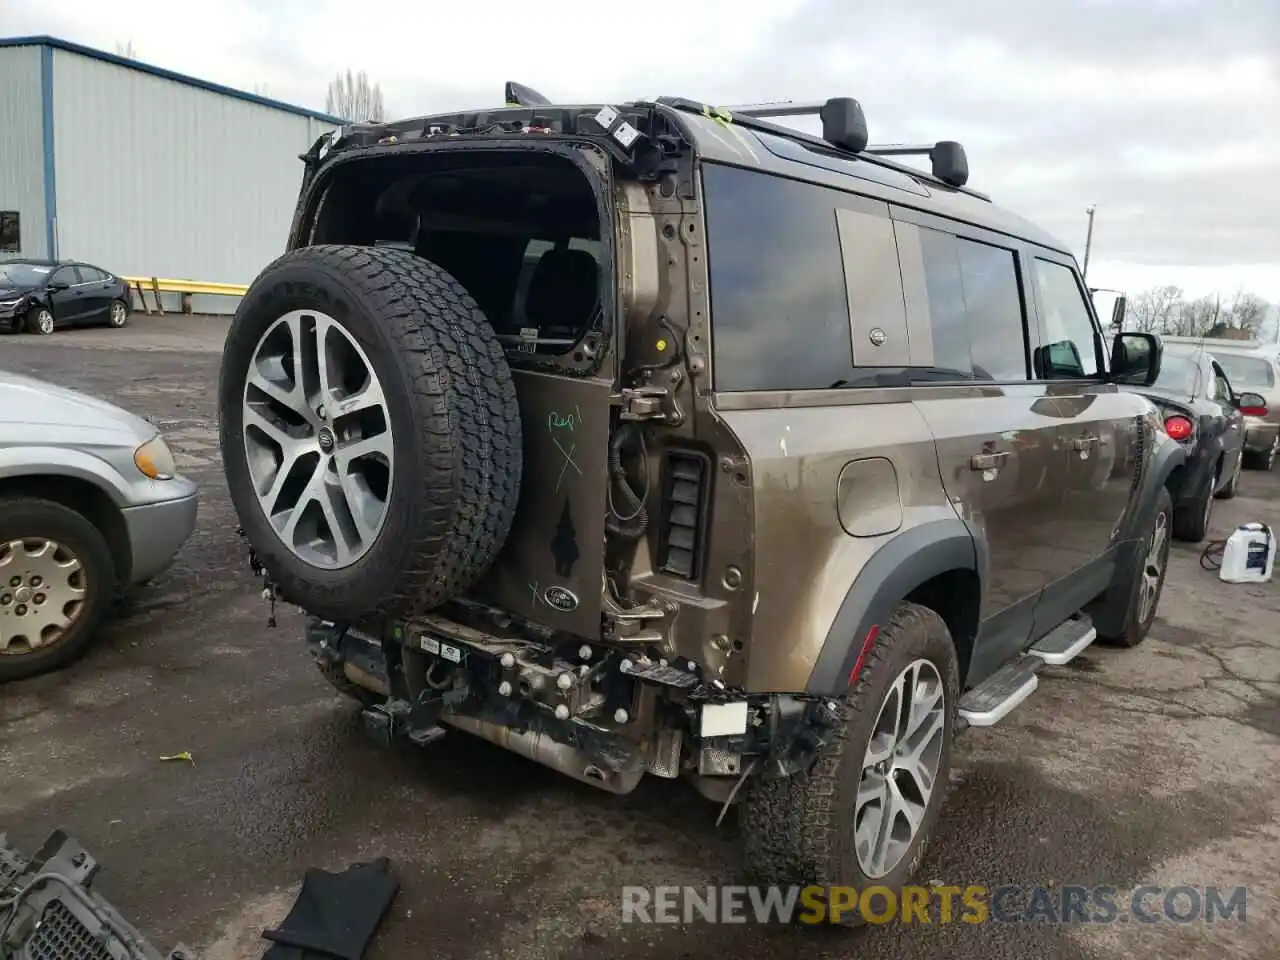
(335, 915)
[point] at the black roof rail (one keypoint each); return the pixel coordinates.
(947, 158)
(844, 131)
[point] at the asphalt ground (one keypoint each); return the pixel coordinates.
(1159, 765)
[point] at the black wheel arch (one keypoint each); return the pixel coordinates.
(938, 563)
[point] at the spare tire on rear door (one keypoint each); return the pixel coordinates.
(370, 433)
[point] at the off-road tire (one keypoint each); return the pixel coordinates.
(1134, 629)
(798, 830)
(454, 416)
(32, 517)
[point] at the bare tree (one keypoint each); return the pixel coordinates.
(353, 97)
(1152, 311)
(1248, 312)
(125, 49)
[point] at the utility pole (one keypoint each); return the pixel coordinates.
(1088, 241)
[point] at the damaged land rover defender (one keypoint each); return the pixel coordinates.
(661, 438)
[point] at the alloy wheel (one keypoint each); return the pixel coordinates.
(42, 594)
(1153, 567)
(44, 322)
(117, 314)
(1271, 454)
(900, 768)
(318, 439)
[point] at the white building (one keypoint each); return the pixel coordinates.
(143, 171)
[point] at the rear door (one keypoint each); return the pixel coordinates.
(994, 426)
(1221, 393)
(97, 291)
(1099, 435)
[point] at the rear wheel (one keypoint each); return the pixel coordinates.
(370, 432)
(56, 583)
(1191, 522)
(1147, 583)
(1229, 491)
(863, 813)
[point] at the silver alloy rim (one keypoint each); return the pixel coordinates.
(117, 314)
(317, 438)
(1153, 567)
(1271, 454)
(42, 592)
(900, 768)
(44, 321)
(1208, 509)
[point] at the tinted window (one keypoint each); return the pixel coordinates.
(10, 232)
(65, 275)
(1070, 349)
(779, 308)
(1245, 372)
(1179, 374)
(975, 308)
(90, 274)
(24, 274)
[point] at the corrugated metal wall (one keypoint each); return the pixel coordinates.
(158, 178)
(22, 146)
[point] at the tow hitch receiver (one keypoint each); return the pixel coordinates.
(394, 720)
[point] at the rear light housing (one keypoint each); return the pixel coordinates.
(1178, 427)
(1254, 411)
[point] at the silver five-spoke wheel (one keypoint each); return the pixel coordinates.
(1153, 567)
(318, 439)
(42, 593)
(900, 768)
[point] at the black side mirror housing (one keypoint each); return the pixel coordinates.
(1251, 404)
(1135, 358)
(55, 286)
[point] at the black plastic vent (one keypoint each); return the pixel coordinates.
(682, 533)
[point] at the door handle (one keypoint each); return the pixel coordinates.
(988, 461)
(1084, 443)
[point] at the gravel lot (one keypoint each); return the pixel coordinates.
(1159, 765)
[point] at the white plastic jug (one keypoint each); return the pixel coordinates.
(1249, 555)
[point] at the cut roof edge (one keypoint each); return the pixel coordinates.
(165, 74)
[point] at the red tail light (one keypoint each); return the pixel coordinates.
(1179, 428)
(1254, 411)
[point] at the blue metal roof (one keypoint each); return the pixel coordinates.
(56, 44)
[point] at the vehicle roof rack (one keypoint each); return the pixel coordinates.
(844, 126)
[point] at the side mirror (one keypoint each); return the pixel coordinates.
(56, 286)
(1135, 358)
(1251, 404)
(1118, 311)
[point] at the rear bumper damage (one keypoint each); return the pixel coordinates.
(597, 714)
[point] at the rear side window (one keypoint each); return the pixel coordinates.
(1247, 372)
(778, 297)
(975, 309)
(1070, 348)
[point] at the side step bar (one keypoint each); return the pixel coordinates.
(997, 696)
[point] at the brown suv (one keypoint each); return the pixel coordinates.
(658, 438)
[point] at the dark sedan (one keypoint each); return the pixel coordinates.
(1206, 416)
(40, 296)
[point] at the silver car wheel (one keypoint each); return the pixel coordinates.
(42, 593)
(117, 314)
(1271, 454)
(1153, 567)
(44, 322)
(318, 440)
(900, 768)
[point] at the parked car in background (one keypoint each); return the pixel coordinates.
(1254, 367)
(1203, 413)
(90, 501)
(40, 296)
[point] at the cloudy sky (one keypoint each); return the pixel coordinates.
(1163, 113)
